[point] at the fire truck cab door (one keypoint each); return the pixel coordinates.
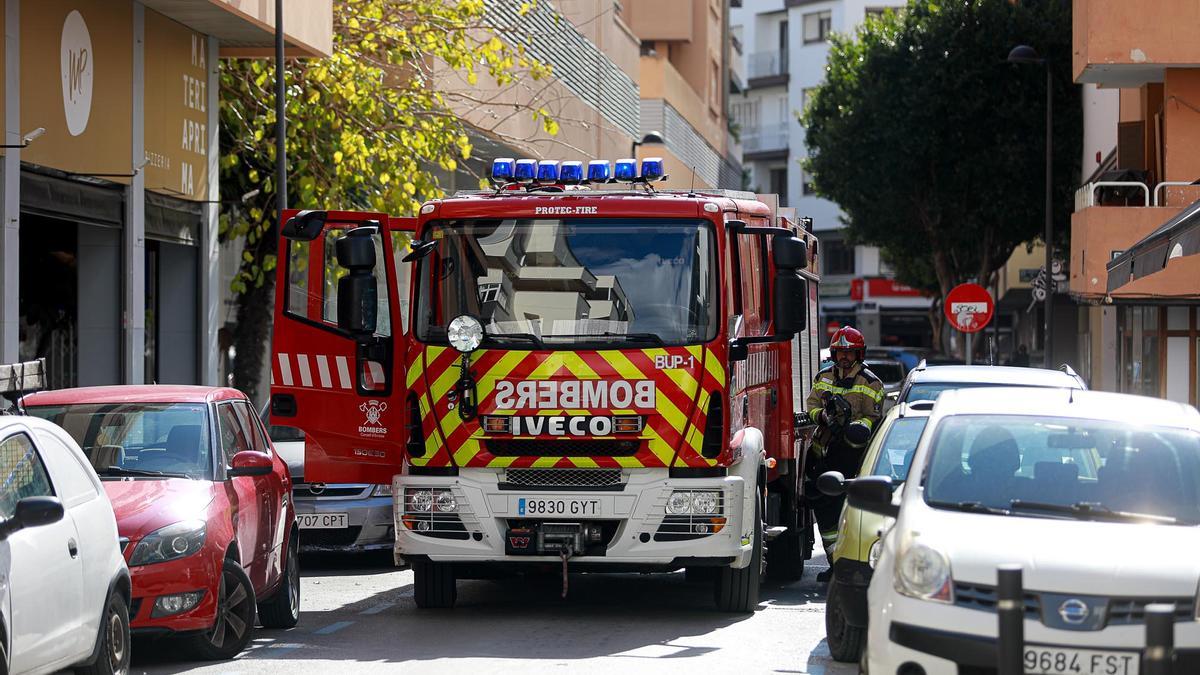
(344, 390)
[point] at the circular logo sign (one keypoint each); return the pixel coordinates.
(969, 307)
(77, 69)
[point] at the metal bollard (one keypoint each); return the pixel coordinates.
(1010, 612)
(1159, 657)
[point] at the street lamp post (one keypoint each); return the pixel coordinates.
(652, 137)
(1027, 54)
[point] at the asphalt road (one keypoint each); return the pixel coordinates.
(358, 616)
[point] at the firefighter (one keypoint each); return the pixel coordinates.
(846, 402)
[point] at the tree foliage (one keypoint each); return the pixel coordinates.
(368, 128)
(933, 145)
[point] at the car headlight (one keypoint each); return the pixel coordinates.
(172, 542)
(873, 554)
(923, 572)
(465, 333)
(382, 491)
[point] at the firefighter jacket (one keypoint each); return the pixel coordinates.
(863, 391)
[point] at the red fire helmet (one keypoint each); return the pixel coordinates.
(847, 337)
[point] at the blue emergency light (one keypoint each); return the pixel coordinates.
(570, 172)
(547, 171)
(626, 170)
(652, 168)
(599, 170)
(502, 169)
(525, 171)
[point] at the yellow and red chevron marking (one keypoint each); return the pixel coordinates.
(673, 433)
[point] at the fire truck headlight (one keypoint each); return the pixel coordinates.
(465, 333)
(679, 503)
(445, 501)
(705, 502)
(419, 500)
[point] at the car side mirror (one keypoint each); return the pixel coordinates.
(250, 463)
(357, 292)
(32, 512)
(873, 494)
(832, 483)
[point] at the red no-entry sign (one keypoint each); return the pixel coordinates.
(969, 307)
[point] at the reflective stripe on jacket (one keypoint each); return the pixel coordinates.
(861, 388)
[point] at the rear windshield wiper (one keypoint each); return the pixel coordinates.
(122, 471)
(1093, 510)
(529, 337)
(971, 507)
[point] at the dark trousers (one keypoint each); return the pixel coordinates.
(827, 510)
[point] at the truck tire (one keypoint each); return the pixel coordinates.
(845, 641)
(737, 590)
(282, 609)
(434, 585)
(785, 557)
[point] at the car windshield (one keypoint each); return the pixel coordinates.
(890, 372)
(929, 391)
(898, 447)
(138, 439)
(1065, 467)
(555, 284)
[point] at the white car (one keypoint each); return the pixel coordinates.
(1095, 495)
(64, 586)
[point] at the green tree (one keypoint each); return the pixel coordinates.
(933, 145)
(368, 128)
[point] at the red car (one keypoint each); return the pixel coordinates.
(203, 506)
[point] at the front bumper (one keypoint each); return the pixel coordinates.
(198, 572)
(369, 524)
(631, 517)
(941, 638)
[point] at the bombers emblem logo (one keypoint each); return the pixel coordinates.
(374, 411)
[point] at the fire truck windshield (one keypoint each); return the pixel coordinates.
(559, 284)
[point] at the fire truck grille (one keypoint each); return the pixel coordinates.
(563, 478)
(563, 448)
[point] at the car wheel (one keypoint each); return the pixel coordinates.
(845, 641)
(434, 585)
(113, 658)
(737, 590)
(282, 610)
(230, 632)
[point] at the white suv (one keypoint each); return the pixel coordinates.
(64, 586)
(1096, 496)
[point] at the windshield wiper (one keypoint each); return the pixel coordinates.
(529, 337)
(1093, 510)
(628, 337)
(122, 471)
(971, 507)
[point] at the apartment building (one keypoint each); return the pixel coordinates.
(1135, 233)
(109, 250)
(782, 46)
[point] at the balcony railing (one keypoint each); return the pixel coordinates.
(1124, 193)
(767, 64)
(765, 138)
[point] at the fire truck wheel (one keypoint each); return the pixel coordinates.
(434, 585)
(737, 590)
(785, 557)
(845, 641)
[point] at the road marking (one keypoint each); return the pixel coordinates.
(381, 607)
(333, 628)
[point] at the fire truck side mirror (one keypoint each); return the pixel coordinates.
(790, 253)
(357, 293)
(304, 226)
(791, 298)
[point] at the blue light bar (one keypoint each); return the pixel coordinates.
(570, 172)
(502, 169)
(652, 168)
(548, 171)
(599, 170)
(526, 170)
(626, 169)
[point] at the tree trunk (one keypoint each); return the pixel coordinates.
(252, 336)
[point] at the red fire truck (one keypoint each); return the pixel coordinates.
(560, 373)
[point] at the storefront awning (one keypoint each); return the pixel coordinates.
(248, 28)
(1176, 238)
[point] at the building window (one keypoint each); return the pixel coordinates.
(778, 180)
(714, 87)
(839, 257)
(817, 27)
